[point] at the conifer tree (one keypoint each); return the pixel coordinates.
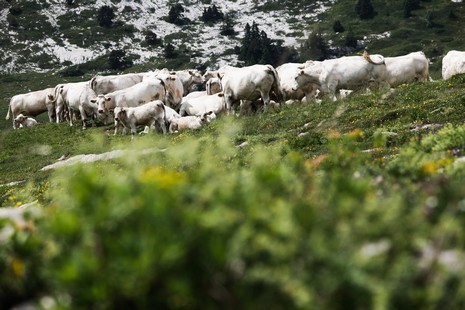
(364, 9)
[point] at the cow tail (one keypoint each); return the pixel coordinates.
(367, 57)
(276, 83)
(7, 117)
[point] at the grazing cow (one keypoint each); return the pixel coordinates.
(200, 105)
(104, 84)
(407, 68)
(189, 78)
(249, 84)
(213, 86)
(453, 63)
(32, 104)
(191, 122)
(79, 99)
(287, 73)
(138, 94)
(350, 72)
(22, 121)
(148, 114)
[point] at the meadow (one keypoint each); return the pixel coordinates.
(357, 203)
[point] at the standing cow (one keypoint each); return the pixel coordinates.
(104, 84)
(349, 72)
(79, 99)
(32, 104)
(148, 115)
(407, 69)
(148, 90)
(453, 63)
(249, 84)
(287, 73)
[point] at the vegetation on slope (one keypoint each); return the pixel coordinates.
(357, 202)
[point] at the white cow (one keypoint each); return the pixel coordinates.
(148, 115)
(202, 104)
(249, 84)
(350, 72)
(174, 89)
(213, 86)
(79, 99)
(170, 114)
(189, 78)
(287, 73)
(191, 122)
(453, 63)
(60, 99)
(407, 68)
(104, 84)
(140, 93)
(33, 104)
(22, 121)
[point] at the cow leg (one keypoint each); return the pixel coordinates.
(266, 100)
(116, 127)
(161, 123)
(70, 115)
(83, 116)
(133, 131)
(51, 114)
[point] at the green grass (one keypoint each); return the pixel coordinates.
(302, 127)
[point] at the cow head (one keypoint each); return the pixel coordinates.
(196, 78)
(100, 101)
(19, 119)
(207, 117)
(120, 113)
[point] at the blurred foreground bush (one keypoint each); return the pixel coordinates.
(205, 225)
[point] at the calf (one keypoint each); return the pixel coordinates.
(202, 104)
(148, 114)
(191, 122)
(24, 121)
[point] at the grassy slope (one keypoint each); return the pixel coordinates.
(438, 102)
(24, 152)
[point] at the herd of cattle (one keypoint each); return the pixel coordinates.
(165, 99)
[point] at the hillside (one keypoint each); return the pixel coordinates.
(49, 36)
(352, 204)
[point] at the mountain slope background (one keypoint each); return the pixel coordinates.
(49, 36)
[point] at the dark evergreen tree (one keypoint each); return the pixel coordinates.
(364, 9)
(314, 48)
(151, 38)
(257, 48)
(175, 15)
(350, 39)
(105, 16)
(409, 6)
(118, 60)
(227, 28)
(337, 26)
(212, 14)
(169, 51)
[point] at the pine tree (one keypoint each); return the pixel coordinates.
(105, 16)
(364, 9)
(314, 48)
